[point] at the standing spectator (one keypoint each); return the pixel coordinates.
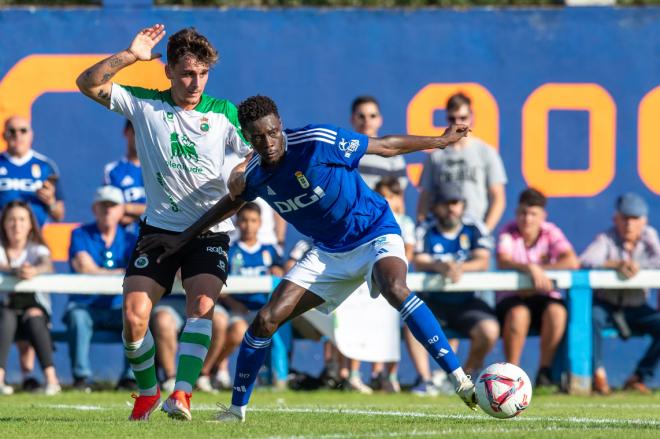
(367, 119)
(451, 246)
(126, 174)
(27, 175)
(630, 245)
(24, 254)
(101, 247)
(249, 257)
(532, 245)
(472, 164)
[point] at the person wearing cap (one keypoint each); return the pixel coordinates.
(531, 245)
(452, 244)
(101, 247)
(627, 247)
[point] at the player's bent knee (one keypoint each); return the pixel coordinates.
(395, 293)
(264, 324)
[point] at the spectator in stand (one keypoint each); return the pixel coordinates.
(532, 245)
(385, 376)
(627, 247)
(27, 175)
(101, 247)
(367, 119)
(168, 317)
(26, 315)
(126, 174)
(451, 245)
(470, 163)
(249, 257)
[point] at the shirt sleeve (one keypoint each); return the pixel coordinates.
(340, 147)
(42, 251)
(235, 138)
(495, 172)
(652, 257)
(123, 101)
(481, 239)
(505, 244)
(77, 245)
(558, 242)
(595, 255)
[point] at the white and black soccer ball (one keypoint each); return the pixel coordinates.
(503, 390)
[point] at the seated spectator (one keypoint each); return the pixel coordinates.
(126, 174)
(39, 175)
(169, 315)
(451, 245)
(630, 245)
(532, 245)
(25, 315)
(248, 257)
(101, 247)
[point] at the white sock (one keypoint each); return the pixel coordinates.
(457, 376)
(239, 409)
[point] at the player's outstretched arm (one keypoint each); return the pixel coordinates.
(390, 146)
(95, 81)
(220, 211)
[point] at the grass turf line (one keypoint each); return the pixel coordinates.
(330, 415)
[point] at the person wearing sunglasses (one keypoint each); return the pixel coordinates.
(471, 164)
(100, 247)
(28, 175)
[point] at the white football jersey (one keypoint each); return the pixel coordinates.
(182, 153)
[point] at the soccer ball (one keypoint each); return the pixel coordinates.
(503, 390)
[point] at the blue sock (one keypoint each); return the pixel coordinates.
(251, 357)
(426, 329)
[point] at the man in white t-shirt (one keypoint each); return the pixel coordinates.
(181, 134)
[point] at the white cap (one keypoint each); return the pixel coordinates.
(109, 193)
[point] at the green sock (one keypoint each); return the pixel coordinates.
(193, 346)
(140, 355)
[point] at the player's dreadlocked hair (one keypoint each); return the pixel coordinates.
(256, 107)
(190, 42)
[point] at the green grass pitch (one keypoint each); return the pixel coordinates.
(330, 415)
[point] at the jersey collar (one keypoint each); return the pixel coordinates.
(202, 105)
(249, 249)
(20, 161)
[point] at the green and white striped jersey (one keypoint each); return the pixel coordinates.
(182, 153)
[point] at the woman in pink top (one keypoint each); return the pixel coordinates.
(531, 245)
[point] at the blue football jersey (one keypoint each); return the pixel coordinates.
(252, 261)
(318, 189)
(22, 178)
(127, 176)
(456, 247)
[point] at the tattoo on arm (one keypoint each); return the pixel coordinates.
(114, 61)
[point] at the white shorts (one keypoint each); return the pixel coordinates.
(334, 276)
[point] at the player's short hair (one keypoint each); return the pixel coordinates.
(256, 107)
(532, 197)
(250, 207)
(363, 100)
(390, 183)
(457, 100)
(190, 42)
